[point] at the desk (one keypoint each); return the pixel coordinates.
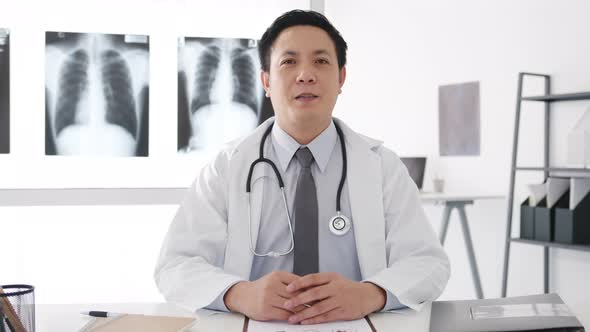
(67, 317)
(454, 201)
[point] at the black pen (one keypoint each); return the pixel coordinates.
(101, 314)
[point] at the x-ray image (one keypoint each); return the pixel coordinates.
(4, 91)
(96, 94)
(220, 95)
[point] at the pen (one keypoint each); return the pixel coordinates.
(100, 314)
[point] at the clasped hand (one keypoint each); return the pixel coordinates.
(312, 299)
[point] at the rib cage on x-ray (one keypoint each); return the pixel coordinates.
(96, 99)
(4, 91)
(221, 89)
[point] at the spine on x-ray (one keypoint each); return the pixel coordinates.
(245, 87)
(206, 69)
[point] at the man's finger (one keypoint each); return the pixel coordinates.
(310, 280)
(308, 297)
(281, 290)
(317, 309)
(277, 302)
(330, 316)
(299, 308)
(286, 277)
(274, 313)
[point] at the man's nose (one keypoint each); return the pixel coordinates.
(306, 75)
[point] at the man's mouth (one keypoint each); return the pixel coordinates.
(306, 96)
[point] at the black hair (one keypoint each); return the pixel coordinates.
(294, 18)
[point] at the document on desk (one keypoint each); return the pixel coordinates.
(359, 325)
(141, 323)
(520, 310)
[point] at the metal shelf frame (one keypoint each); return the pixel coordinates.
(548, 99)
(578, 247)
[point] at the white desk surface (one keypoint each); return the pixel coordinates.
(455, 197)
(67, 317)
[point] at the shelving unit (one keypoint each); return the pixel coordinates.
(552, 244)
(548, 99)
(555, 169)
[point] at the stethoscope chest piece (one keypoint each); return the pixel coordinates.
(339, 224)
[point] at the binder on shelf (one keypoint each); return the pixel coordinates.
(527, 220)
(544, 221)
(572, 226)
(579, 188)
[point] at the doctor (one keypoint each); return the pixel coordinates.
(331, 227)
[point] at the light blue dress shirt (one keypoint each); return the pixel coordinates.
(336, 253)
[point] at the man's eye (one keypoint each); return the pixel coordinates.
(288, 62)
(322, 61)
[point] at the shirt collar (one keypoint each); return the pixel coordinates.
(321, 147)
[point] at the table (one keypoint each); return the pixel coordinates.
(67, 317)
(458, 201)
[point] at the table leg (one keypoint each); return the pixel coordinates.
(470, 252)
(445, 223)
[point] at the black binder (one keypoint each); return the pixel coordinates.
(456, 316)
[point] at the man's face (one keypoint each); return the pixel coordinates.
(304, 80)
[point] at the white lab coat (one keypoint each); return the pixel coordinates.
(207, 246)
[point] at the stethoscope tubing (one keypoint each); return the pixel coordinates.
(261, 159)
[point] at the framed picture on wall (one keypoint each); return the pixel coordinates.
(459, 119)
(220, 95)
(4, 91)
(96, 94)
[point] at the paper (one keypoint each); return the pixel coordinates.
(520, 310)
(579, 142)
(579, 189)
(141, 323)
(96, 323)
(536, 193)
(359, 325)
(556, 187)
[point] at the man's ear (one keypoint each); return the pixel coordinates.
(342, 76)
(264, 77)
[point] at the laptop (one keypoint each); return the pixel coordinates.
(416, 167)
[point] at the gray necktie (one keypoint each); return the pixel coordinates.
(306, 218)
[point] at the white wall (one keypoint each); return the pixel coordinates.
(164, 21)
(102, 253)
(401, 51)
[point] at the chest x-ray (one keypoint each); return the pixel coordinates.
(96, 94)
(4, 91)
(220, 95)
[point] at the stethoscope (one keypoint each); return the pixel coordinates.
(338, 225)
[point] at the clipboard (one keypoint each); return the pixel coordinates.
(247, 320)
(142, 323)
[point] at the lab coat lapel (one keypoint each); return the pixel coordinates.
(366, 201)
(238, 257)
